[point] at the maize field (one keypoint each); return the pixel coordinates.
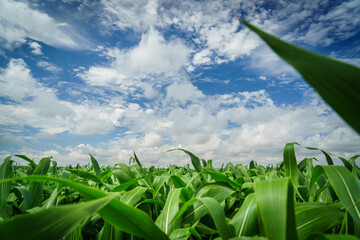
(287, 201)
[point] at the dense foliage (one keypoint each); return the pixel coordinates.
(286, 201)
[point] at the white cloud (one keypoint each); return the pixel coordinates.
(144, 67)
(19, 21)
(227, 41)
(340, 23)
(153, 55)
(139, 15)
(48, 66)
(36, 48)
(202, 57)
(16, 81)
(182, 93)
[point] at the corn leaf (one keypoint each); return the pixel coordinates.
(165, 219)
(5, 172)
(217, 214)
(133, 196)
(244, 221)
(116, 212)
(338, 83)
(35, 188)
(316, 218)
(346, 188)
(51, 223)
(95, 165)
(275, 199)
(290, 162)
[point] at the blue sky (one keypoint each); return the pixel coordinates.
(112, 77)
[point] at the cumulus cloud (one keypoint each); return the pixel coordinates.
(182, 93)
(36, 48)
(18, 21)
(154, 60)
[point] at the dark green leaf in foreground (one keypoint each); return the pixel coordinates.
(338, 83)
(51, 223)
(275, 200)
(115, 212)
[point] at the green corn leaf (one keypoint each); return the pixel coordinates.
(333, 237)
(275, 201)
(346, 163)
(124, 217)
(52, 223)
(218, 216)
(249, 238)
(180, 234)
(216, 191)
(290, 162)
(327, 156)
(32, 163)
(6, 171)
(139, 172)
(219, 177)
(165, 219)
(137, 161)
(124, 186)
(85, 175)
(346, 188)
(36, 188)
(133, 196)
(316, 218)
(194, 160)
(95, 165)
(109, 232)
(338, 83)
(177, 181)
(244, 221)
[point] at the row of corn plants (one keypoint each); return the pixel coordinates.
(128, 201)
